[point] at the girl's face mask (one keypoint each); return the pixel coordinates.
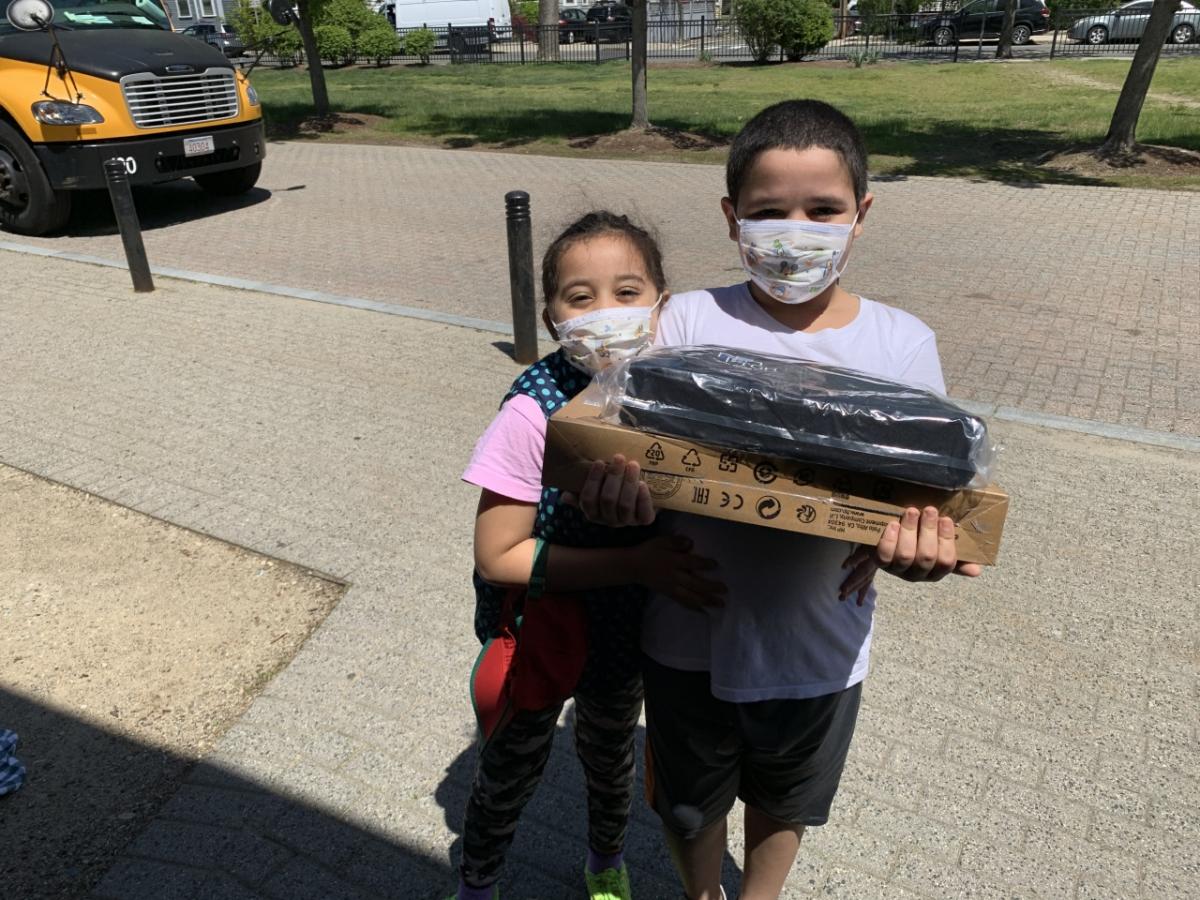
(793, 261)
(595, 340)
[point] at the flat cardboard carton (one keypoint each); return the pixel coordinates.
(762, 490)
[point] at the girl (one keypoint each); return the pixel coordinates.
(604, 286)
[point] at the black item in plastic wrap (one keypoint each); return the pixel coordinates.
(739, 400)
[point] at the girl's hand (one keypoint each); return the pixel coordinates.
(920, 547)
(862, 565)
(666, 565)
(614, 495)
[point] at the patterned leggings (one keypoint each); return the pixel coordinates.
(511, 764)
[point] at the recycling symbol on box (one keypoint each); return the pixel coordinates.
(768, 508)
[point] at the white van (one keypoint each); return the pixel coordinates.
(493, 14)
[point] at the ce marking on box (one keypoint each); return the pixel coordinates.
(735, 499)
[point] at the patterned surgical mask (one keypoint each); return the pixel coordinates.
(793, 261)
(595, 340)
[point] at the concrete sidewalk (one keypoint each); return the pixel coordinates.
(1078, 301)
(1030, 734)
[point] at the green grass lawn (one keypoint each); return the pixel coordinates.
(1174, 75)
(977, 120)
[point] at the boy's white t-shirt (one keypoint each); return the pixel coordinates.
(782, 633)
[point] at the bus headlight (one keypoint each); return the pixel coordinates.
(59, 112)
(251, 94)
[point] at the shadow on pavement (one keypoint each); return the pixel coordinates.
(552, 834)
(106, 817)
(93, 798)
(159, 206)
(959, 150)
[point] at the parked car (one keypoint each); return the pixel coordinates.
(1128, 22)
(986, 18)
(615, 21)
(219, 35)
(572, 25)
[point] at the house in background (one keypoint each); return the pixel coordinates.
(191, 12)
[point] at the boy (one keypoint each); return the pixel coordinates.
(757, 697)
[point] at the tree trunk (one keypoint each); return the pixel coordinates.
(1004, 47)
(316, 73)
(844, 29)
(547, 30)
(1121, 131)
(640, 30)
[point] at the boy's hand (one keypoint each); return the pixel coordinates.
(665, 564)
(921, 547)
(614, 495)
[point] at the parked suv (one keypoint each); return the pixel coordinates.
(219, 35)
(615, 21)
(986, 18)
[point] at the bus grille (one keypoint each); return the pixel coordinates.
(158, 101)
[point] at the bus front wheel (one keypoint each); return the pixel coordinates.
(28, 204)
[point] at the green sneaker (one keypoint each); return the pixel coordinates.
(609, 884)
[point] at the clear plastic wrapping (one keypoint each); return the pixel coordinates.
(824, 415)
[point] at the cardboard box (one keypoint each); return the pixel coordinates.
(762, 490)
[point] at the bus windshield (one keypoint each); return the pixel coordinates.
(79, 15)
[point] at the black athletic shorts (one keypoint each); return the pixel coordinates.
(783, 757)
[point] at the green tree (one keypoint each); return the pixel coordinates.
(757, 21)
(252, 24)
(807, 27)
(420, 43)
(306, 10)
(799, 27)
(1004, 45)
(1122, 131)
(638, 63)
(334, 44)
(379, 44)
(353, 15)
(287, 47)
(547, 30)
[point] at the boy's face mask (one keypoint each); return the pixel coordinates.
(793, 261)
(595, 340)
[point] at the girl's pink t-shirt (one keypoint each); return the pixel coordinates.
(508, 457)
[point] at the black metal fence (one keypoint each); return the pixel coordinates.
(1095, 32)
(857, 40)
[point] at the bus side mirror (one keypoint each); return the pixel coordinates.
(30, 15)
(281, 11)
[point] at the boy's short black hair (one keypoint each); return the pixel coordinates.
(797, 125)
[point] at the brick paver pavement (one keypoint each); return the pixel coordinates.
(1030, 734)
(1071, 300)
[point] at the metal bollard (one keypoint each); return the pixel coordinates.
(127, 221)
(520, 276)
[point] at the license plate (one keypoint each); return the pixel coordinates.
(198, 146)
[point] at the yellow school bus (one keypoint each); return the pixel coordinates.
(110, 79)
